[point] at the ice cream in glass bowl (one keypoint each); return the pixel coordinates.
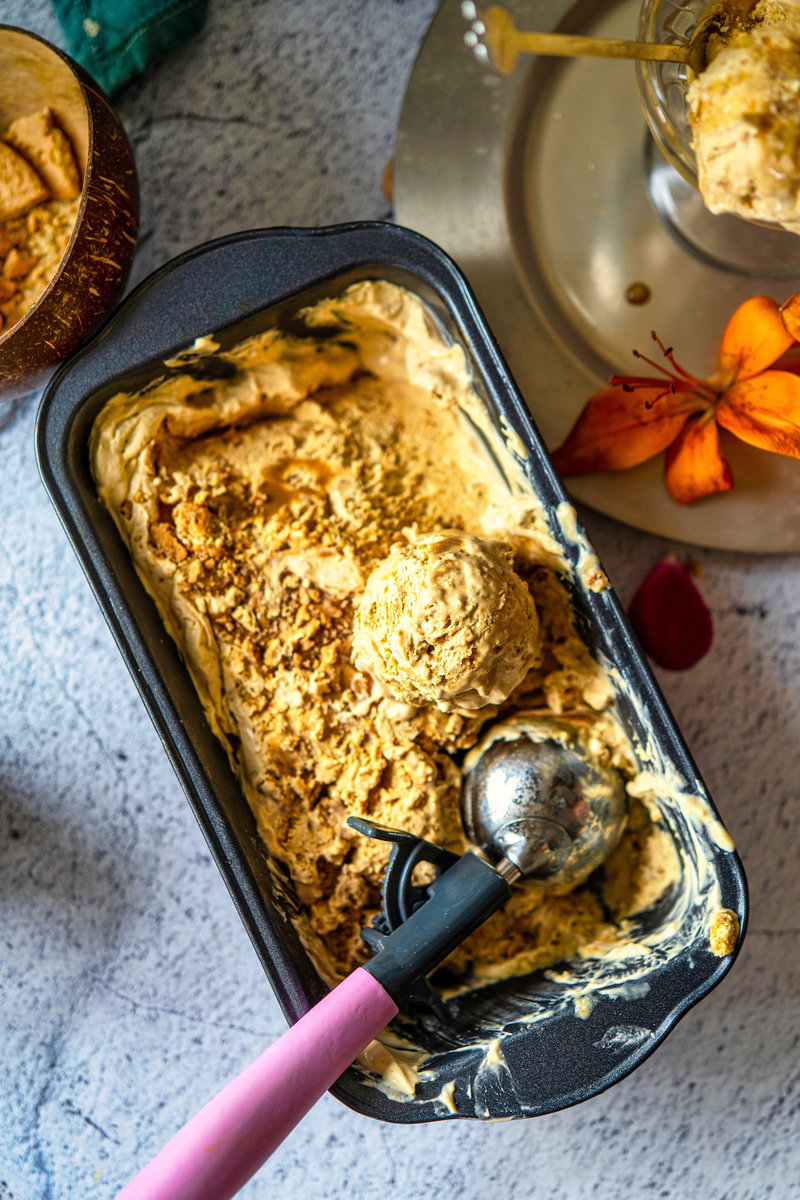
(730, 135)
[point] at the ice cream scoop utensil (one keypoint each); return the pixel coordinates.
(495, 39)
(223, 1145)
(543, 809)
(556, 838)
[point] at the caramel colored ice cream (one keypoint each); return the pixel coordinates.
(744, 110)
(445, 620)
(284, 521)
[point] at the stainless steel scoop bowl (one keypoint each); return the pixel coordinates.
(543, 810)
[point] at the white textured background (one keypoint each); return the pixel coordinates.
(128, 988)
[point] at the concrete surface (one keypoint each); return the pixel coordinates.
(129, 991)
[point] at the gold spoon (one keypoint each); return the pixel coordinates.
(494, 38)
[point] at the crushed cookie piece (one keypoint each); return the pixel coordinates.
(163, 536)
(47, 148)
(723, 932)
(597, 580)
(195, 524)
(20, 186)
(17, 264)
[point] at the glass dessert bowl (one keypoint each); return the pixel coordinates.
(747, 245)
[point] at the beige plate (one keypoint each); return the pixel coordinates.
(537, 186)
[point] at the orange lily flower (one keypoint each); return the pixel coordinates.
(638, 416)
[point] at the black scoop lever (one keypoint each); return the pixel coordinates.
(401, 895)
(421, 924)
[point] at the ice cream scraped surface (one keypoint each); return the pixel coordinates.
(744, 110)
(445, 620)
(268, 512)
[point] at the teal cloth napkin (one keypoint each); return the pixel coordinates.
(116, 40)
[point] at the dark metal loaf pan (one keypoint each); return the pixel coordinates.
(520, 1048)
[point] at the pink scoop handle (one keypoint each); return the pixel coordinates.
(219, 1149)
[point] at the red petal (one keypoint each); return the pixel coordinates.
(617, 429)
(754, 338)
(696, 466)
(765, 412)
(671, 618)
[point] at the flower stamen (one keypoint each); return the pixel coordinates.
(667, 351)
(670, 391)
(681, 380)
